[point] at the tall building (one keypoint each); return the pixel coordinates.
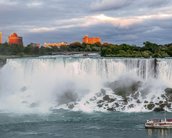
(91, 40)
(15, 39)
(0, 37)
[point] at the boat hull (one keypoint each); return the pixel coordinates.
(158, 127)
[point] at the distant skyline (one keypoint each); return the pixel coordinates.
(115, 21)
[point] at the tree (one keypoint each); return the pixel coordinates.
(151, 46)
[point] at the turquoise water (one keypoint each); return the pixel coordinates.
(68, 124)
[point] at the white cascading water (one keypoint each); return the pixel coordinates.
(39, 85)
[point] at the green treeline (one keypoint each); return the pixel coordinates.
(148, 50)
(6, 49)
(106, 50)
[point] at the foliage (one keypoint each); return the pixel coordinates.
(147, 50)
(107, 50)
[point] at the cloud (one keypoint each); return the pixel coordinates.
(42, 29)
(35, 4)
(8, 2)
(107, 5)
(101, 19)
(101, 5)
(130, 21)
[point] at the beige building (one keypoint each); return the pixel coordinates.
(59, 44)
(91, 40)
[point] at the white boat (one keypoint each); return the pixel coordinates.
(158, 124)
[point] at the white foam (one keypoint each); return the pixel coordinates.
(34, 85)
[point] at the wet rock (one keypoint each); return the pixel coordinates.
(168, 92)
(107, 98)
(136, 95)
(116, 105)
(162, 106)
(123, 89)
(169, 105)
(70, 106)
(93, 99)
(146, 102)
(103, 91)
(158, 109)
(100, 105)
(112, 100)
(101, 101)
(131, 106)
(161, 102)
(111, 109)
(125, 100)
(163, 96)
(138, 101)
(150, 106)
(156, 103)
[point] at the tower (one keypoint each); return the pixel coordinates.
(85, 39)
(91, 40)
(15, 39)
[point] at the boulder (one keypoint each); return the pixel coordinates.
(100, 101)
(146, 102)
(71, 106)
(131, 106)
(138, 101)
(168, 93)
(158, 109)
(123, 89)
(116, 104)
(100, 105)
(111, 109)
(108, 99)
(150, 106)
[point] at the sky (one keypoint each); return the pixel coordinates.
(115, 21)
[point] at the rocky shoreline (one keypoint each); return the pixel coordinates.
(116, 97)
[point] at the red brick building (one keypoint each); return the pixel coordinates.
(15, 39)
(92, 40)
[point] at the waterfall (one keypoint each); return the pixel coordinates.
(40, 84)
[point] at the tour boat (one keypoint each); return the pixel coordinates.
(157, 123)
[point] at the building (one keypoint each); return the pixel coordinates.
(91, 40)
(35, 45)
(15, 39)
(58, 44)
(0, 37)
